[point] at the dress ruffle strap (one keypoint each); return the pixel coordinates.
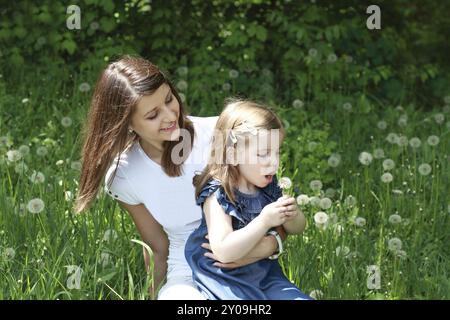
(215, 186)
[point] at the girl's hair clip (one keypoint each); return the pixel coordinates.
(232, 139)
(247, 127)
(244, 127)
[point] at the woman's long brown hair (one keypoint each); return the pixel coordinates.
(117, 92)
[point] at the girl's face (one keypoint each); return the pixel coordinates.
(260, 170)
(155, 119)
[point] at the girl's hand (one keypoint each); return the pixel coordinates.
(273, 214)
(290, 205)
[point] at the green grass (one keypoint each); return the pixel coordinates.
(45, 243)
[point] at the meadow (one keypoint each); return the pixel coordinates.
(373, 186)
(367, 116)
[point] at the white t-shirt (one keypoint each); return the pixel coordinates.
(170, 200)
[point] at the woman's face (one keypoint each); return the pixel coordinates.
(154, 114)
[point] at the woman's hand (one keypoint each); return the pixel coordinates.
(231, 265)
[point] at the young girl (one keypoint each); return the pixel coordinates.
(241, 201)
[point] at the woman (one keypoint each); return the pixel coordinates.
(139, 139)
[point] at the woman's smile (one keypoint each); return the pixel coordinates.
(169, 128)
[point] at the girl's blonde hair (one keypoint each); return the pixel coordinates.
(237, 113)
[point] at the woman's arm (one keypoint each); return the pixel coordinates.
(152, 234)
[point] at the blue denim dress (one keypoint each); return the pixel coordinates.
(261, 280)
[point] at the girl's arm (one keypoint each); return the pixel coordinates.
(152, 234)
(266, 247)
(230, 245)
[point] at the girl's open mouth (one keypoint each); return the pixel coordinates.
(268, 177)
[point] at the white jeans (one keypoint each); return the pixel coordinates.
(180, 289)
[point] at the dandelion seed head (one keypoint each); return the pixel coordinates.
(75, 165)
(392, 138)
(350, 201)
(433, 140)
(387, 177)
(21, 168)
(312, 145)
(312, 52)
(285, 183)
(332, 58)
(314, 201)
(320, 217)
(382, 125)
(402, 122)
(233, 74)
(13, 155)
(84, 87)
(66, 122)
(302, 199)
(395, 244)
(41, 151)
(395, 219)
(37, 177)
(360, 222)
(439, 118)
(325, 203)
(5, 141)
(378, 153)
(35, 205)
(334, 160)
(415, 142)
(226, 86)
(424, 169)
(402, 141)
(388, 164)
(182, 85)
(316, 185)
(297, 104)
(347, 106)
(365, 158)
(94, 25)
(9, 254)
(24, 150)
(330, 193)
(401, 254)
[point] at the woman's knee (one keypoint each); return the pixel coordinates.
(180, 292)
